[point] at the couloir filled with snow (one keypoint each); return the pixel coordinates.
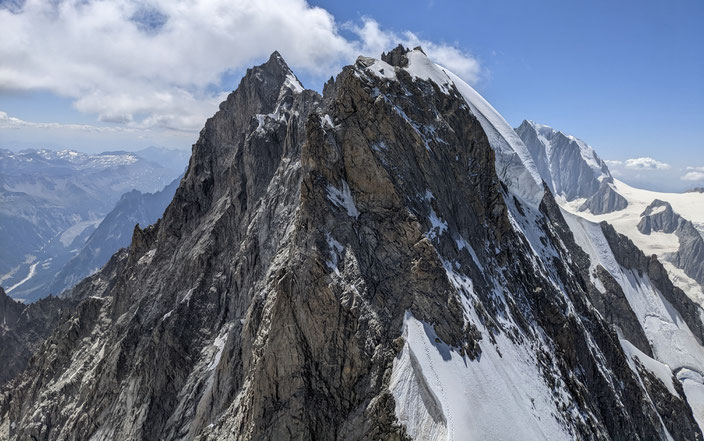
(441, 395)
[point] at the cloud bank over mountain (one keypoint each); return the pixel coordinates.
(167, 64)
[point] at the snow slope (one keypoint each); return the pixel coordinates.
(672, 341)
(442, 396)
(688, 205)
(514, 164)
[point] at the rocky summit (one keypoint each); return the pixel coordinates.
(379, 262)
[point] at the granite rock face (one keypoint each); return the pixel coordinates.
(270, 300)
(23, 329)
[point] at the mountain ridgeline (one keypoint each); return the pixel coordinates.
(655, 221)
(381, 261)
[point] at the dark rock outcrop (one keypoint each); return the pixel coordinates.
(679, 422)
(659, 216)
(690, 256)
(614, 307)
(605, 200)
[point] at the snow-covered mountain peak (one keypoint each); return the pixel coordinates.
(551, 137)
(420, 66)
(570, 167)
(664, 224)
(514, 163)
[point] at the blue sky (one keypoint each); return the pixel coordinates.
(624, 76)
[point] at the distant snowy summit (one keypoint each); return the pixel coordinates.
(571, 168)
(584, 185)
(67, 158)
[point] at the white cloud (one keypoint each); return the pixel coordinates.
(613, 162)
(646, 163)
(17, 133)
(375, 41)
(156, 63)
(10, 122)
(694, 174)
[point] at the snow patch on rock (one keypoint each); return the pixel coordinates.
(147, 258)
(343, 199)
(335, 248)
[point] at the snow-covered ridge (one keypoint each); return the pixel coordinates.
(514, 164)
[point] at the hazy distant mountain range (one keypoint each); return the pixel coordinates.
(113, 232)
(51, 201)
